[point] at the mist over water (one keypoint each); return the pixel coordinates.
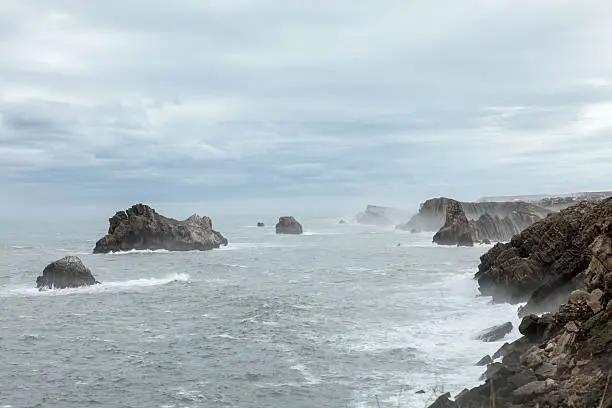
(340, 316)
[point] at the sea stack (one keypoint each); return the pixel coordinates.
(68, 272)
(456, 230)
(141, 227)
(288, 225)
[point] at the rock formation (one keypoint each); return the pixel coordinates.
(456, 229)
(68, 272)
(564, 358)
(495, 333)
(288, 225)
(381, 216)
(544, 263)
(140, 227)
(489, 228)
(261, 224)
(432, 214)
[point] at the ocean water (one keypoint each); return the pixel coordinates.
(338, 317)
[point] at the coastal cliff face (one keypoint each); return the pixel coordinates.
(564, 358)
(543, 263)
(141, 227)
(502, 219)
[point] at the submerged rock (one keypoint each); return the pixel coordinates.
(140, 227)
(68, 272)
(288, 225)
(342, 222)
(456, 229)
(261, 224)
(495, 333)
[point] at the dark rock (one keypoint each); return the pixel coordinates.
(420, 392)
(495, 333)
(68, 272)
(486, 360)
(288, 225)
(443, 401)
(548, 254)
(502, 351)
(342, 222)
(261, 224)
(537, 328)
(456, 229)
(486, 241)
(140, 227)
(495, 371)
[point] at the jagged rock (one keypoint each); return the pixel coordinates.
(486, 360)
(261, 224)
(140, 227)
(546, 256)
(420, 392)
(68, 272)
(494, 371)
(502, 351)
(456, 229)
(288, 225)
(432, 213)
(495, 333)
(443, 401)
(546, 370)
(535, 327)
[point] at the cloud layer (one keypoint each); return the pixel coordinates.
(236, 99)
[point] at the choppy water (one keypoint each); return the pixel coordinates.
(338, 317)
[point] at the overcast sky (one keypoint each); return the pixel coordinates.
(302, 103)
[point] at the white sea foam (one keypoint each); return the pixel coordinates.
(103, 287)
(310, 379)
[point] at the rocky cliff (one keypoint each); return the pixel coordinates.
(432, 214)
(544, 262)
(564, 359)
(141, 227)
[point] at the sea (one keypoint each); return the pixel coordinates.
(343, 316)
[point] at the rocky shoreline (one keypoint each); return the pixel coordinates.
(564, 358)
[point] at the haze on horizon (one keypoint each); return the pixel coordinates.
(261, 104)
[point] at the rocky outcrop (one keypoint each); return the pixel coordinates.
(495, 333)
(456, 229)
(543, 264)
(261, 224)
(432, 214)
(381, 216)
(68, 272)
(141, 227)
(564, 358)
(288, 225)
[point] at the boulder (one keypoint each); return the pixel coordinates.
(68, 272)
(141, 227)
(536, 328)
(261, 224)
(288, 225)
(544, 258)
(456, 229)
(495, 333)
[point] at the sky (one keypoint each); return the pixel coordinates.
(251, 105)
